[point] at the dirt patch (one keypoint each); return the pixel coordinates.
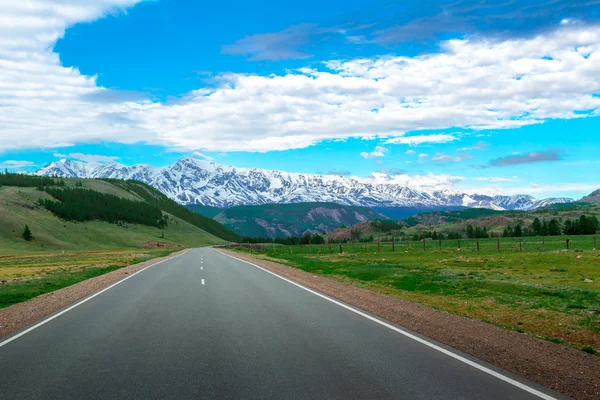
(557, 367)
(162, 245)
(22, 315)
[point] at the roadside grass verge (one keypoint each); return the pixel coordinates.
(542, 294)
(23, 277)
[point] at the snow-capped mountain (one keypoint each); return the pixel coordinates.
(192, 181)
(66, 168)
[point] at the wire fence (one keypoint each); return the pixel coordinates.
(524, 244)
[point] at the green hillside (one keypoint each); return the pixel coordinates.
(283, 220)
(478, 223)
(158, 199)
(20, 206)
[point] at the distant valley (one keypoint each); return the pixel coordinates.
(283, 220)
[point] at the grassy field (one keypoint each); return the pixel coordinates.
(18, 208)
(541, 293)
(65, 252)
(25, 276)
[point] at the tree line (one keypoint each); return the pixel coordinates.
(158, 199)
(584, 225)
(24, 180)
(306, 238)
(75, 204)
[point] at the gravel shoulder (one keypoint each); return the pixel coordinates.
(22, 315)
(560, 368)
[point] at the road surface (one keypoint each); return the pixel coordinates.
(207, 326)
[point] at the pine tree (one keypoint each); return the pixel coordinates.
(536, 226)
(27, 234)
(518, 232)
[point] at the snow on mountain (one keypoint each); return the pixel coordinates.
(192, 181)
(66, 168)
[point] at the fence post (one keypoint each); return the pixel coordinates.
(459, 244)
(568, 243)
(393, 245)
(595, 246)
(378, 246)
(341, 249)
(424, 245)
(543, 243)
(477, 241)
(498, 244)
(520, 245)
(440, 244)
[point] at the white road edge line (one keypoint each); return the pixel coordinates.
(26, 331)
(203, 281)
(411, 336)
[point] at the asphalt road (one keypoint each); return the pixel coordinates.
(207, 326)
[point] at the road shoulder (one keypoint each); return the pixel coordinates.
(562, 369)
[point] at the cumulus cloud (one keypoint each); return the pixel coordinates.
(378, 152)
(476, 84)
(427, 183)
(422, 139)
(529, 158)
(410, 152)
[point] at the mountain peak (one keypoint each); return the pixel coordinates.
(593, 197)
(194, 181)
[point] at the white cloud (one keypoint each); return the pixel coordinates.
(428, 183)
(537, 190)
(474, 84)
(481, 145)
(16, 164)
(88, 158)
(203, 156)
(496, 179)
(410, 152)
(378, 152)
(421, 139)
(423, 156)
(441, 157)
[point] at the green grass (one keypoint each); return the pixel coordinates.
(63, 253)
(18, 208)
(541, 293)
(24, 277)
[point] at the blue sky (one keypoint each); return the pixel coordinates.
(480, 96)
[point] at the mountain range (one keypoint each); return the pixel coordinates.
(193, 181)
